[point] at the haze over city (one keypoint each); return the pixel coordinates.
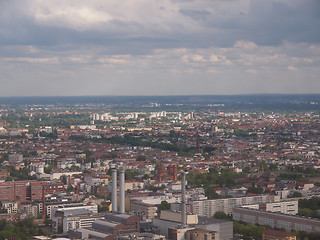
(148, 47)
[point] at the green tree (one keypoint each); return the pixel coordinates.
(222, 215)
(164, 206)
(255, 190)
(211, 193)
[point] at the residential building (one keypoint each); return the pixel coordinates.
(209, 207)
(285, 207)
(276, 220)
(11, 207)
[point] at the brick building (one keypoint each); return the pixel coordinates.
(169, 172)
(27, 190)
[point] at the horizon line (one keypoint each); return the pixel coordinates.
(173, 95)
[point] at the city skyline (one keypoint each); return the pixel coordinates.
(76, 48)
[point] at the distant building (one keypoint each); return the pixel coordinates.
(4, 173)
(11, 207)
(166, 173)
(140, 236)
(13, 158)
(30, 210)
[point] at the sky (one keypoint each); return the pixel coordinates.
(159, 47)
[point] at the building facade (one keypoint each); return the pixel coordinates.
(207, 208)
(285, 207)
(147, 211)
(276, 220)
(28, 190)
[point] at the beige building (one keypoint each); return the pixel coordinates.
(129, 185)
(147, 211)
(176, 217)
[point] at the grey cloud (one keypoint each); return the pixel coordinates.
(271, 23)
(171, 44)
(266, 23)
(196, 15)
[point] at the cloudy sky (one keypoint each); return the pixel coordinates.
(159, 47)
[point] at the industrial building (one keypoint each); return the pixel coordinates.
(183, 226)
(171, 225)
(114, 224)
(145, 210)
(74, 217)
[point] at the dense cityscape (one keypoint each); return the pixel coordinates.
(160, 120)
(160, 170)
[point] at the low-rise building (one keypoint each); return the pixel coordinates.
(73, 219)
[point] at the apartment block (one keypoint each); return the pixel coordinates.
(208, 208)
(285, 207)
(276, 220)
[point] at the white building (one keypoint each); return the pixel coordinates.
(208, 208)
(286, 207)
(11, 207)
(92, 207)
(72, 219)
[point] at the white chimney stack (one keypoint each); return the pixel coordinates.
(114, 190)
(183, 200)
(122, 190)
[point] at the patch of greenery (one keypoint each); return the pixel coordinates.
(23, 229)
(309, 207)
(248, 231)
(213, 178)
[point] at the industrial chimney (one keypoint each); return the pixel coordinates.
(122, 190)
(114, 190)
(183, 200)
